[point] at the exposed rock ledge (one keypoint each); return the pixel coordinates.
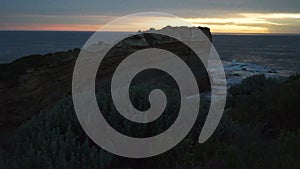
(36, 82)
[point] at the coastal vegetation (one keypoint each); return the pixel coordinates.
(260, 129)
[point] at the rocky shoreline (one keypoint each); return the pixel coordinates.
(236, 71)
(34, 83)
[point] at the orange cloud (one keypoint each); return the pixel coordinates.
(236, 23)
(50, 27)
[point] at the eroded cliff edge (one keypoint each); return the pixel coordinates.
(34, 83)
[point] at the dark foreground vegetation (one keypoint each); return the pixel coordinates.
(260, 129)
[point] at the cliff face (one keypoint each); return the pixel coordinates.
(34, 83)
(183, 31)
(207, 32)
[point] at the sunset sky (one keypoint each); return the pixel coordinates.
(230, 16)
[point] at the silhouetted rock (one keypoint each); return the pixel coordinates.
(36, 82)
(33, 83)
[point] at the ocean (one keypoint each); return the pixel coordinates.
(281, 52)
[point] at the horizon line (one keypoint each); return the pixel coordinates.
(213, 33)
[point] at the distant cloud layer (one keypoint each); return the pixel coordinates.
(239, 16)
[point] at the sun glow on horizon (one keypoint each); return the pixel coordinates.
(51, 27)
(236, 23)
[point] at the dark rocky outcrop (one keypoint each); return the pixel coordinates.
(34, 83)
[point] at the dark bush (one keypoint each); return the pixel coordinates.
(259, 129)
(270, 102)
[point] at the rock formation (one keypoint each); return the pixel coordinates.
(36, 82)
